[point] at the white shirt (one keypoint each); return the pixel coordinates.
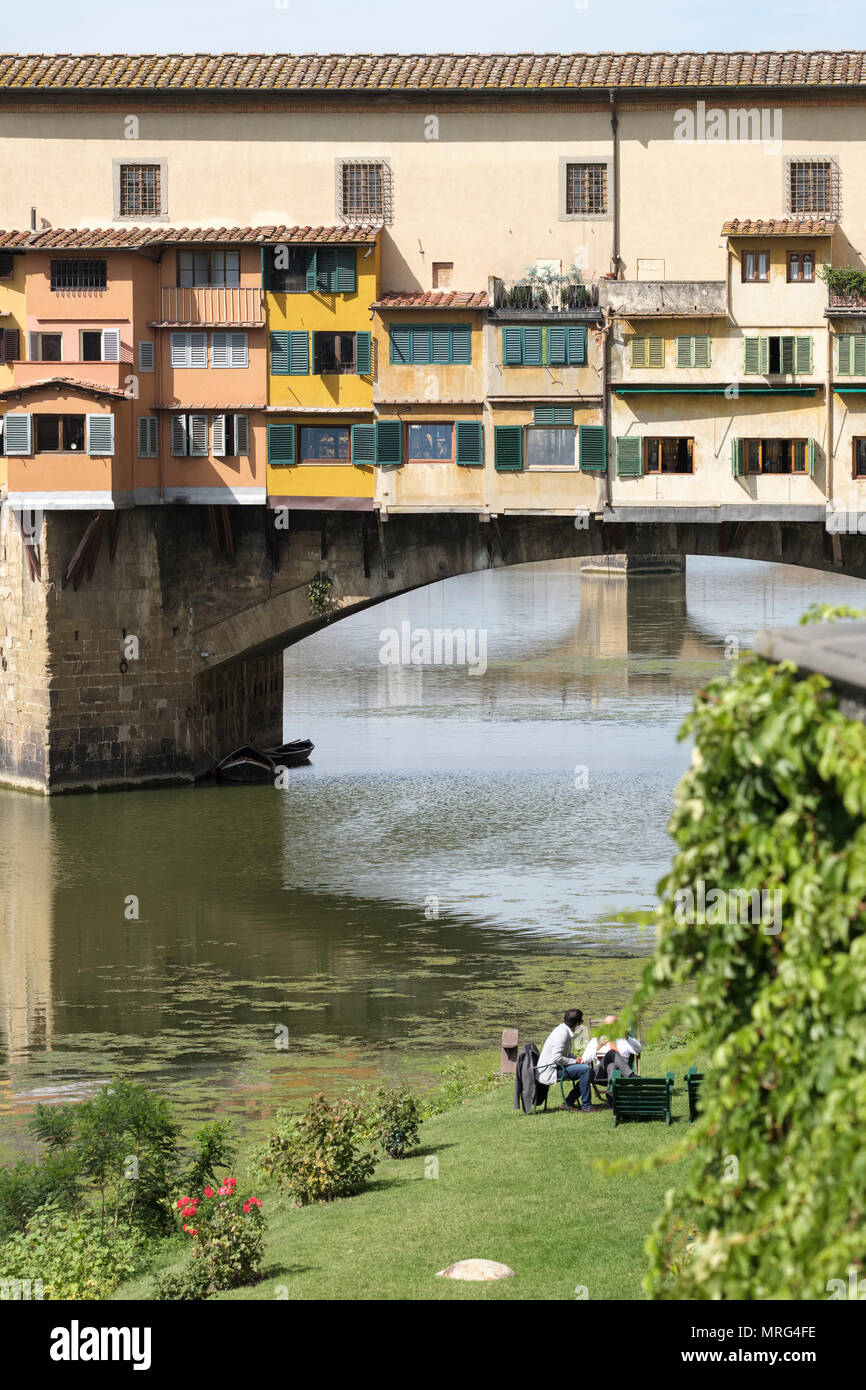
(626, 1047)
(554, 1053)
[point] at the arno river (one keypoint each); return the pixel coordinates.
(458, 856)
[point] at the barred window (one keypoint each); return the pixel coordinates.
(813, 187)
(586, 189)
(364, 190)
(79, 275)
(140, 191)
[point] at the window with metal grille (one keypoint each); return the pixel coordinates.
(813, 187)
(364, 190)
(586, 189)
(140, 191)
(79, 275)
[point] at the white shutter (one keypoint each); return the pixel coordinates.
(198, 349)
(242, 434)
(180, 350)
(219, 436)
(178, 436)
(17, 432)
(111, 344)
(148, 437)
(219, 352)
(33, 350)
(198, 436)
(145, 355)
(240, 356)
(99, 439)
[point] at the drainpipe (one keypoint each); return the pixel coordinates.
(614, 192)
(828, 448)
(157, 365)
(605, 397)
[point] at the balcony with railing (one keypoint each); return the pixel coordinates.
(672, 299)
(846, 302)
(537, 298)
(206, 306)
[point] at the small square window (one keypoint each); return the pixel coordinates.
(364, 190)
(586, 190)
(443, 275)
(431, 443)
(812, 187)
(756, 267)
(801, 267)
(140, 192)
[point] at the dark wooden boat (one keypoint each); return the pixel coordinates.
(248, 765)
(291, 754)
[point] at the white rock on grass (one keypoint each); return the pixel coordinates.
(476, 1269)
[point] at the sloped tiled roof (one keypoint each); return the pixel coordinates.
(66, 383)
(780, 226)
(133, 238)
(433, 299)
(426, 71)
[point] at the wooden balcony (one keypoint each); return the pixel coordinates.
(212, 306)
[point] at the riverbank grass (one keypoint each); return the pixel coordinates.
(533, 1192)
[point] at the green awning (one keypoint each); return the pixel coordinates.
(718, 390)
(849, 390)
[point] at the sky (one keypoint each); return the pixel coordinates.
(429, 26)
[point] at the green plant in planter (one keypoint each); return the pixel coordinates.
(320, 596)
(844, 280)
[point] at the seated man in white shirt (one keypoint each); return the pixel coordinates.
(557, 1053)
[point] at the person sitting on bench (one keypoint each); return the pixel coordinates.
(605, 1055)
(557, 1053)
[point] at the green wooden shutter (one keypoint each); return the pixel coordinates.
(738, 456)
(422, 347)
(512, 347)
(557, 346)
(310, 278)
(533, 346)
(363, 443)
(389, 443)
(811, 451)
(629, 456)
(326, 270)
(279, 353)
(440, 345)
(844, 352)
(470, 443)
(508, 448)
(363, 354)
(461, 344)
(593, 449)
(345, 278)
(546, 415)
(786, 355)
(299, 353)
(401, 344)
(685, 351)
(577, 344)
(281, 443)
(858, 355)
(656, 351)
(752, 356)
(803, 355)
(639, 345)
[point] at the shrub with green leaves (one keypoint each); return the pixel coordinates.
(74, 1256)
(317, 1155)
(775, 799)
(394, 1120)
(27, 1186)
(228, 1234)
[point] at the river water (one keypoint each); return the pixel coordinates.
(458, 857)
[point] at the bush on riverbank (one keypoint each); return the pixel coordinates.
(317, 1156)
(775, 801)
(227, 1232)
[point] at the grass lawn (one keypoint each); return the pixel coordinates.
(515, 1188)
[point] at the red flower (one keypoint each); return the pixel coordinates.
(209, 1192)
(183, 1202)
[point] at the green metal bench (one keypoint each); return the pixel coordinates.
(693, 1080)
(641, 1097)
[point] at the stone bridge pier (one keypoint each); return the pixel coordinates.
(138, 647)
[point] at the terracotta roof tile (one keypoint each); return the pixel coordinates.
(66, 382)
(433, 299)
(780, 226)
(133, 238)
(343, 72)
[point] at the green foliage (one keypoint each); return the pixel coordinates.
(73, 1255)
(320, 596)
(844, 279)
(317, 1155)
(459, 1083)
(775, 799)
(26, 1187)
(216, 1149)
(829, 612)
(228, 1234)
(394, 1120)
